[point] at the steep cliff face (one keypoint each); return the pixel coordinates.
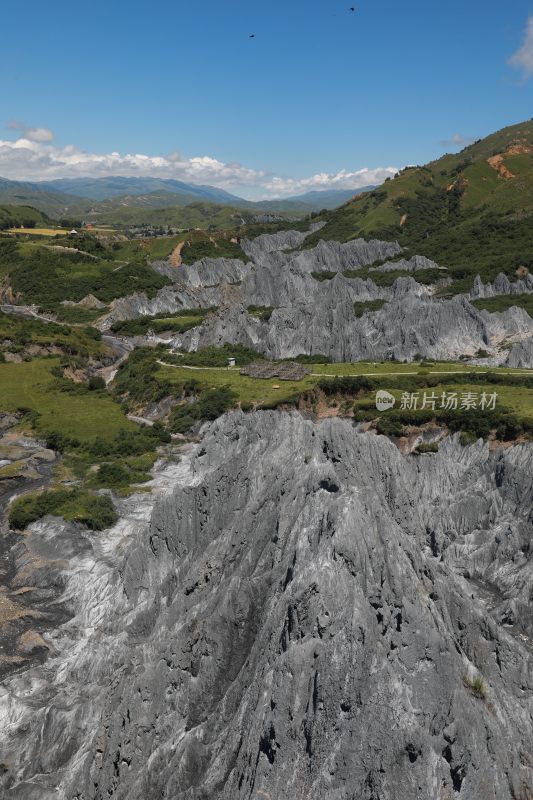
(307, 614)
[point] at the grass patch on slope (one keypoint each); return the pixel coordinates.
(248, 392)
(178, 322)
(81, 414)
(503, 302)
(18, 332)
(369, 305)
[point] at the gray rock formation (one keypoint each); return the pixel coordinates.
(501, 285)
(325, 256)
(521, 354)
(273, 242)
(272, 277)
(317, 315)
(406, 326)
(308, 614)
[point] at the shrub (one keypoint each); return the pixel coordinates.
(112, 475)
(389, 426)
(427, 447)
(47, 277)
(96, 383)
(77, 505)
(60, 441)
(262, 312)
(369, 305)
(476, 686)
(323, 276)
(315, 358)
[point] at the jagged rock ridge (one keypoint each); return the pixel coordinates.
(501, 286)
(272, 277)
(313, 315)
(308, 614)
(406, 327)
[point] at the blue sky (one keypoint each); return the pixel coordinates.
(320, 90)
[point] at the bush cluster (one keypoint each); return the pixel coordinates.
(211, 404)
(216, 356)
(95, 511)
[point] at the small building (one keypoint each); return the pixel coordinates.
(231, 362)
(73, 232)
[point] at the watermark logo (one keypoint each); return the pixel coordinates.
(431, 401)
(448, 401)
(384, 400)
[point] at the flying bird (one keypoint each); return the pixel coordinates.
(352, 8)
(252, 36)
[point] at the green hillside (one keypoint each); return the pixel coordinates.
(196, 215)
(46, 277)
(13, 216)
(471, 212)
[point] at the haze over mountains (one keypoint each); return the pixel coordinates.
(100, 197)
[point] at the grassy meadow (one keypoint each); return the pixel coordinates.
(80, 414)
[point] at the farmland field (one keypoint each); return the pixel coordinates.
(38, 231)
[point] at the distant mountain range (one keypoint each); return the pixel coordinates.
(100, 199)
(118, 186)
(37, 195)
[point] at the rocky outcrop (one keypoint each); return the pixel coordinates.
(405, 327)
(521, 354)
(274, 242)
(325, 256)
(89, 301)
(501, 285)
(26, 611)
(307, 614)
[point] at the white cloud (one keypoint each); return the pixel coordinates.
(457, 140)
(33, 134)
(343, 179)
(523, 58)
(34, 157)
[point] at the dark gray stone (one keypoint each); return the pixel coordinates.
(304, 616)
